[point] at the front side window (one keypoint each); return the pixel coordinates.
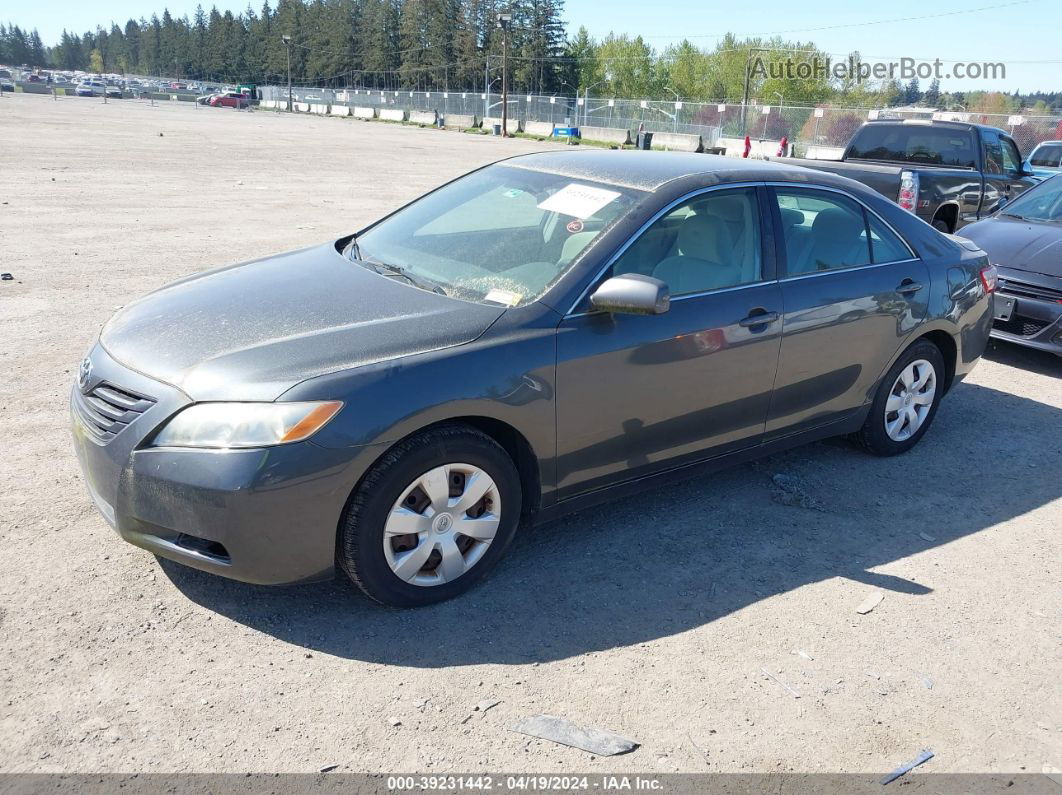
(707, 243)
(1011, 158)
(993, 153)
(502, 235)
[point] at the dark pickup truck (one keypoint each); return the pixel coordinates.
(948, 173)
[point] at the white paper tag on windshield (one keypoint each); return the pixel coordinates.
(503, 297)
(580, 201)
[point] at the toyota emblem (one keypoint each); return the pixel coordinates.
(84, 372)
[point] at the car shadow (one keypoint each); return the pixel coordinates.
(681, 556)
(1031, 359)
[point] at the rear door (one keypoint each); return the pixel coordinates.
(853, 291)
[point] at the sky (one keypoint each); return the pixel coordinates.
(1020, 34)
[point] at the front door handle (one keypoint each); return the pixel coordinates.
(758, 318)
(908, 287)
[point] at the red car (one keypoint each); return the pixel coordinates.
(230, 99)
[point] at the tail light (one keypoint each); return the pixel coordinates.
(990, 278)
(908, 196)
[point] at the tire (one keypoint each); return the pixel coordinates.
(452, 454)
(885, 433)
(941, 226)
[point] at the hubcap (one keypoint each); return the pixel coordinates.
(442, 524)
(910, 400)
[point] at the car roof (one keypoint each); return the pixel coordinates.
(649, 171)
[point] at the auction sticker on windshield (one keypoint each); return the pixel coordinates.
(581, 201)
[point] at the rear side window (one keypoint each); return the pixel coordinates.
(825, 231)
(1047, 156)
(885, 246)
(915, 144)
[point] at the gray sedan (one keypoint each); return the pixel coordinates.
(542, 334)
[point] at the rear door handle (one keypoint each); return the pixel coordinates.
(908, 287)
(758, 319)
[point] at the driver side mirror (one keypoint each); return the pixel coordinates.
(632, 294)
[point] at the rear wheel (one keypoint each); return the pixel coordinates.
(431, 518)
(906, 402)
(942, 226)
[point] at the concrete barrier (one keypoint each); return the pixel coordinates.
(609, 135)
(677, 142)
(540, 128)
(512, 126)
(302, 107)
(424, 117)
(319, 109)
(460, 121)
(363, 113)
(392, 114)
(340, 110)
(824, 152)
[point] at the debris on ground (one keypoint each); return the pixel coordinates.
(802, 653)
(6, 277)
(589, 739)
(394, 722)
(926, 537)
(925, 756)
(870, 603)
(328, 768)
(927, 683)
(793, 491)
(792, 692)
(486, 704)
(872, 674)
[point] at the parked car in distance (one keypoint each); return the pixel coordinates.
(537, 336)
(91, 88)
(1024, 240)
(230, 99)
(1046, 159)
(114, 92)
(948, 173)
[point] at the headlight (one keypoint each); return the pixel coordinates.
(245, 424)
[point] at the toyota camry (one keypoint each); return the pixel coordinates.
(539, 335)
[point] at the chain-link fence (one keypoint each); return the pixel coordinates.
(814, 131)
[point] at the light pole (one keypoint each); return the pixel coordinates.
(674, 120)
(745, 93)
(287, 45)
(505, 22)
(586, 100)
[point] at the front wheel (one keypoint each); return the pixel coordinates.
(431, 518)
(906, 401)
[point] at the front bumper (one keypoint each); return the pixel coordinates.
(267, 515)
(1036, 321)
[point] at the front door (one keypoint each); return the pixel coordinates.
(853, 292)
(636, 394)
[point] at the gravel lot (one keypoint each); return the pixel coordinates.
(654, 616)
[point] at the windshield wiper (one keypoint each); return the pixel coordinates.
(1014, 215)
(387, 269)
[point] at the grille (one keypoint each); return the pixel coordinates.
(1022, 326)
(108, 409)
(1029, 290)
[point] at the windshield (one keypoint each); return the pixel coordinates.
(1042, 203)
(502, 235)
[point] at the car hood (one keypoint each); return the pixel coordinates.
(252, 331)
(1019, 245)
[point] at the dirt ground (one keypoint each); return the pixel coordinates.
(654, 616)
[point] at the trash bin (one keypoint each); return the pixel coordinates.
(497, 129)
(645, 140)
